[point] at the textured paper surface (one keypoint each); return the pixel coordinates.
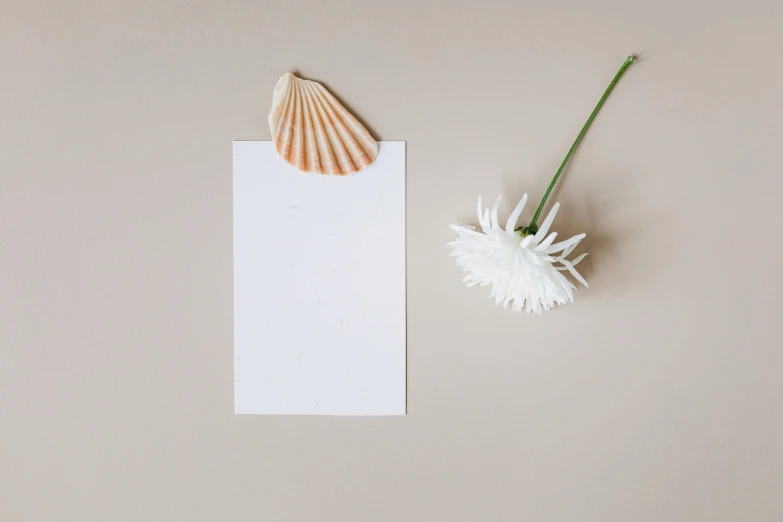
(319, 286)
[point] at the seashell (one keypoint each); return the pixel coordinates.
(313, 132)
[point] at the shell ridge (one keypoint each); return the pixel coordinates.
(284, 133)
(297, 145)
(314, 132)
(284, 136)
(354, 131)
(344, 156)
(327, 152)
(282, 92)
(312, 159)
(352, 125)
(334, 145)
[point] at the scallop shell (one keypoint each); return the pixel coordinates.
(313, 132)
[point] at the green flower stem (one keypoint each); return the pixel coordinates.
(532, 228)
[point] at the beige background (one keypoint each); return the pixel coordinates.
(656, 396)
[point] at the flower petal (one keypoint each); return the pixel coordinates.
(576, 274)
(548, 241)
(512, 219)
(482, 219)
(557, 247)
(576, 260)
(467, 231)
(547, 223)
(493, 216)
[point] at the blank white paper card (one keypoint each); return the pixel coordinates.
(319, 286)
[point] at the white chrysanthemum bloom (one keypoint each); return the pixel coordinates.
(521, 268)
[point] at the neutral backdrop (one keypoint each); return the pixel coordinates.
(656, 396)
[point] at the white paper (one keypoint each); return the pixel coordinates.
(319, 286)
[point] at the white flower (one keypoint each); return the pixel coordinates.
(521, 268)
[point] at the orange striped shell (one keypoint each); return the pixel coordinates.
(313, 132)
